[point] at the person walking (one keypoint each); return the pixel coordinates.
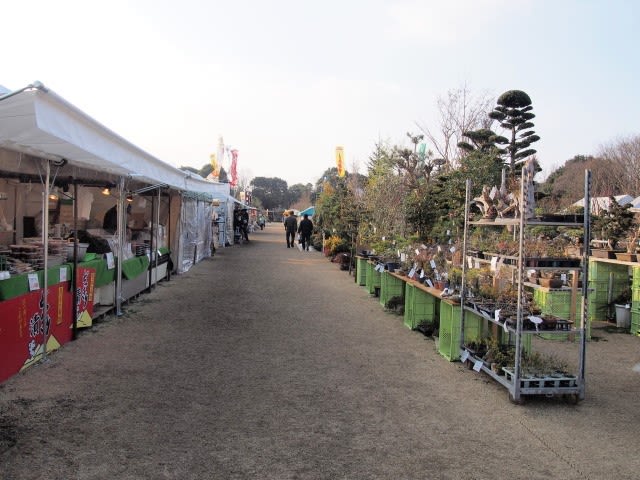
(244, 224)
(305, 229)
(290, 227)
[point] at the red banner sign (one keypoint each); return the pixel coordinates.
(26, 323)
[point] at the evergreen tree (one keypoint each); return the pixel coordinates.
(513, 112)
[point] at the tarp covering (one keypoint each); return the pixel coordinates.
(40, 123)
(308, 211)
(196, 233)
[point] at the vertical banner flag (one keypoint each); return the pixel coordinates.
(422, 151)
(340, 161)
(234, 168)
(220, 155)
(215, 166)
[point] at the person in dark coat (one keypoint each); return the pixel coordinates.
(244, 223)
(305, 229)
(290, 228)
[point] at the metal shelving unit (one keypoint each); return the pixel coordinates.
(515, 380)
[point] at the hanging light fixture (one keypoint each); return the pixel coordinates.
(106, 190)
(129, 197)
(53, 194)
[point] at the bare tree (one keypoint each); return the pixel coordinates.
(624, 156)
(460, 111)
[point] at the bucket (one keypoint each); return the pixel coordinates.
(623, 316)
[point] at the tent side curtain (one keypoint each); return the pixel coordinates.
(196, 233)
(43, 124)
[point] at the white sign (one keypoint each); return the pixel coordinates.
(494, 263)
(464, 356)
(412, 272)
(111, 264)
(477, 366)
(34, 283)
(63, 274)
(429, 283)
(433, 264)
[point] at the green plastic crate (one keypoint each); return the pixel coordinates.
(390, 286)
(557, 303)
(361, 271)
(635, 321)
(450, 323)
(599, 296)
(449, 334)
(419, 306)
(373, 278)
(599, 271)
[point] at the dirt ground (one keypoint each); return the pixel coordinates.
(270, 363)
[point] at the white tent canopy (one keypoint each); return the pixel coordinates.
(38, 122)
(600, 204)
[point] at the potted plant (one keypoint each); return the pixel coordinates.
(632, 245)
(613, 224)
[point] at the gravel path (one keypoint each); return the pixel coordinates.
(270, 363)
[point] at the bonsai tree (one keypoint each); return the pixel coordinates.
(632, 239)
(513, 112)
(614, 223)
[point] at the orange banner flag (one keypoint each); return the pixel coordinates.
(340, 161)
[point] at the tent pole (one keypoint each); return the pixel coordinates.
(74, 308)
(157, 248)
(45, 241)
(151, 244)
(121, 239)
(169, 242)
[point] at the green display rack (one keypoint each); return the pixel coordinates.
(361, 271)
(373, 278)
(390, 286)
(419, 306)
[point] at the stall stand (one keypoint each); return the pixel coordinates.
(50, 149)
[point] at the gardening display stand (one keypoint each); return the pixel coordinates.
(516, 380)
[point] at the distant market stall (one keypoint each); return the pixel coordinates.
(87, 221)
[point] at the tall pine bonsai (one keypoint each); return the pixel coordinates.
(513, 112)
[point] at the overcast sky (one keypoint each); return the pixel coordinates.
(287, 81)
